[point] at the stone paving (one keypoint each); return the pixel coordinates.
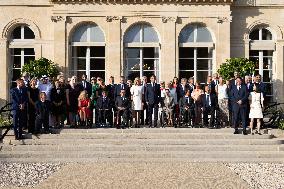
(143, 175)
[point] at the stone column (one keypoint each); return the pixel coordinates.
(60, 45)
(278, 69)
(168, 64)
(114, 62)
(4, 71)
(246, 41)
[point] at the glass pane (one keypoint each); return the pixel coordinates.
(254, 35)
(150, 34)
(17, 62)
(148, 52)
(97, 74)
(186, 64)
(267, 75)
(203, 64)
(97, 51)
(133, 34)
(79, 64)
(133, 74)
(186, 35)
(267, 63)
(97, 64)
(27, 59)
(133, 64)
(149, 64)
(186, 74)
(253, 53)
(186, 52)
(16, 33)
(16, 74)
(132, 53)
(29, 51)
(266, 34)
(29, 34)
(16, 51)
(204, 52)
(80, 35)
(267, 53)
(96, 34)
(79, 52)
(256, 60)
(202, 76)
(203, 35)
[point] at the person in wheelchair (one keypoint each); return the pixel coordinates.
(209, 106)
(186, 104)
(103, 108)
(167, 109)
(123, 105)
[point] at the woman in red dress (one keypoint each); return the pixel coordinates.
(84, 107)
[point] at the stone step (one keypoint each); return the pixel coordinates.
(141, 154)
(103, 147)
(143, 160)
(143, 141)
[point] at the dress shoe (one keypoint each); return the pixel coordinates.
(236, 132)
(245, 133)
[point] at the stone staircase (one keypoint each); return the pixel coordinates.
(143, 145)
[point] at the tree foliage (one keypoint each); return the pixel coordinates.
(242, 65)
(40, 67)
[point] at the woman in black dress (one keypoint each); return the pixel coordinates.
(33, 95)
(57, 97)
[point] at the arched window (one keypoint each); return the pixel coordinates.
(261, 51)
(195, 52)
(88, 51)
(21, 48)
(141, 51)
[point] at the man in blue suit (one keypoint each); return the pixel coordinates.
(239, 98)
(19, 97)
(121, 86)
(152, 98)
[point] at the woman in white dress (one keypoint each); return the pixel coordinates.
(137, 93)
(222, 93)
(256, 103)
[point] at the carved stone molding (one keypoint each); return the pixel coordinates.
(166, 19)
(221, 20)
(57, 18)
(117, 18)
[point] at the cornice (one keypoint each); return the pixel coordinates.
(193, 2)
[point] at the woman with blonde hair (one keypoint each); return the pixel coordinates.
(137, 93)
(84, 107)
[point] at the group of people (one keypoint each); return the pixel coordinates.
(40, 103)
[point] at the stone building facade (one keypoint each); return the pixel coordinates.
(140, 37)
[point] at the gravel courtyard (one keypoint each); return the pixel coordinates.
(142, 175)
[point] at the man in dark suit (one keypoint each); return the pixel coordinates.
(152, 98)
(123, 105)
(111, 89)
(232, 83)
(19, 97)
(43, 107)
(239, 98)
(191, 84)
(248, 83)
(186, 105)
(121, 86)
(211, 84)
(182, 88)
(103, 107)
(209, 106)
(261, 86)
(85, 85)
(145, 107)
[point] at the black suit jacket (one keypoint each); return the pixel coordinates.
(111, 90)
(119, 102)
(103, 104)
(43, 109)
(87, 87)
(180, 91)
(57, 97)
(237, 95)
(19, 97)
(118, 89)
(213, 98)
(153, 94)
(186, 102)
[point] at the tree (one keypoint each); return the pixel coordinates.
(40, 67)
(242, 65)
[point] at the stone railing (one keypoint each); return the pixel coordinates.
(259, 3)
(213, 2)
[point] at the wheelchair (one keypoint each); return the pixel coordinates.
(105, 118)
(216, 122)
(181, 122)
(124, 120)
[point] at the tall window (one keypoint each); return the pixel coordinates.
(141, 52)
(21, 50)
(195, 53)
(88, 52)
(261, 51)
